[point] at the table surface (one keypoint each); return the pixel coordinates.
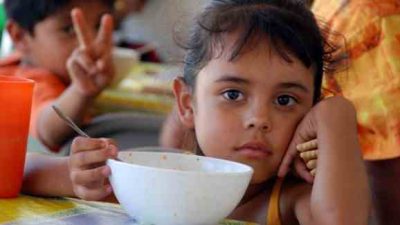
(28, 210)
(146, 88)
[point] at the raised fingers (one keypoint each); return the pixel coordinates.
(82, 57)
(75, 70)
(104, 36)
(84, 35)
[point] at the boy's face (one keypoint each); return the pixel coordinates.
(54, 38)
(246, 110)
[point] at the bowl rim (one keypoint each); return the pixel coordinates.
(246, 168)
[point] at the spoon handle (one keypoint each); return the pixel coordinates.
(69, 122)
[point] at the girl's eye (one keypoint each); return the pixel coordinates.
(233, 95)
(285, 100)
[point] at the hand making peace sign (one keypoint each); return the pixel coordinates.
(90, 65)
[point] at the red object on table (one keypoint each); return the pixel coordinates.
(15, 111)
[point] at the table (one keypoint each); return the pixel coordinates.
(28, 210)
(146, 88)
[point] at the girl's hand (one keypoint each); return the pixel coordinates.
(303, 159)
(341, 182)
(90, 65)
(303, 150)
(302, 153)
(87, 169)
(309, 153)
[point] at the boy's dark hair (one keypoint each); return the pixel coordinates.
(27, 13)
(288, 25)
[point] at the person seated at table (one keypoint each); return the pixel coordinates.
(372, 34)
(249, 92)
(70, 66)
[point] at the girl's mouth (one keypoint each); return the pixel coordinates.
(254, 150)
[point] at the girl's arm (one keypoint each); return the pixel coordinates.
(340, 194)
(46, 175)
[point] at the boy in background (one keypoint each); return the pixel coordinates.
(65, 47)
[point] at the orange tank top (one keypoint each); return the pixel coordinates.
(273, 214)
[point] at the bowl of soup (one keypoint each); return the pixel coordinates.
(170, 188)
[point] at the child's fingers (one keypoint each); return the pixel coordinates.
(109, 141)
(111, 144)
(302, 171)
(303, 132)
(85, 37)
(287, 161)
(106, 71)
(312, 164)
(105, 65)
(94, 194)
(86, 159)
(86, 62)
(75, 70)
(104, 36)
(86, 177)
(307, 146)
(101, 64)
(80, 144)
(309, 155)
(313, 172)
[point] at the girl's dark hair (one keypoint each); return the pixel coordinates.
(288, 25)
(27, 13)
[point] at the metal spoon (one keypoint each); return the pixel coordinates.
(71, 123)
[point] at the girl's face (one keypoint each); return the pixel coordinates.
(246, 110)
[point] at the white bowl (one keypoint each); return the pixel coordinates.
(164, 188)
(124, 59)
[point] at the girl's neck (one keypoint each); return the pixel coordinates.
(255, 189)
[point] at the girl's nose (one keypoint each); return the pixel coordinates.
(259, 120)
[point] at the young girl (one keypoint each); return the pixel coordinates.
(250, 89)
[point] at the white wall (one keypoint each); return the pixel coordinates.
(156, 24)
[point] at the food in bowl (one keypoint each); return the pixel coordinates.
(164, 188)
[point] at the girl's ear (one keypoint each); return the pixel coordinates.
(18, 36)
(184, 101)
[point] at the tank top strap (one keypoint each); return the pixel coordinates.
(273, 213)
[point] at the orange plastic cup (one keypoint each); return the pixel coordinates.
(15, 111)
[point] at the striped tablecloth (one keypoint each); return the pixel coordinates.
(27, 210)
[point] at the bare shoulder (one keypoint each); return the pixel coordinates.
(294, 199)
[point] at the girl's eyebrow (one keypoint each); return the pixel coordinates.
(295, 85)
(284, 85)
(232, 78)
